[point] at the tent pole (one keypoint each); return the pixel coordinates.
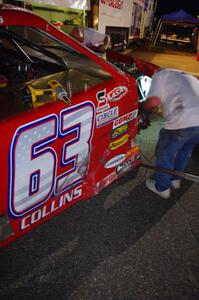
(157, 33)
(154, 35)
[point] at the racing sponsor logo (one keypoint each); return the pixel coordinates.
(102, 101)
(106, 181)
(107, 116)
(125, 118)
(49, 208)
(136, 149)
(117, 93)
(119, 131)
(115, 161)
(133, 153)
(114, 95)
(118, 143)
(124, 166)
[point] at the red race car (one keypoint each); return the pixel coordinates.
(68, 122)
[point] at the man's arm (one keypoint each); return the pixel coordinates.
(106, 44)
(150, 103)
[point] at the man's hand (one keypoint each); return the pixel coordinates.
(106, 44)
(102, 48)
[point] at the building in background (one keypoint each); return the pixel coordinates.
(123, 20)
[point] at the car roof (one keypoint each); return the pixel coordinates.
(13, 15)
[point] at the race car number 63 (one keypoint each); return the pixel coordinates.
(34, 161)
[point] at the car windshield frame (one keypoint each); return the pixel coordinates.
(57, 49)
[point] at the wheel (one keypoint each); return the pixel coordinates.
(195, 154)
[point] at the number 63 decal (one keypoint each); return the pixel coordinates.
(33, 160)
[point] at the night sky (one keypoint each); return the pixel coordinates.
(169, 6)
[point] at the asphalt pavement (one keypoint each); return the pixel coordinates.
(124, 244)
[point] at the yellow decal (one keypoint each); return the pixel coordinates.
(119, 131)
(118, 143)
(133, 151)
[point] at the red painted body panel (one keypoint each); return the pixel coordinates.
(57, 154)
(143, 66)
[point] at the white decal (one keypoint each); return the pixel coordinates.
(1, 20)
(76, 128)
(115, 161)
(107, 116)
(124, 166)
(34, 161)
(102, 101)
(125, 118)
(114, 95)
(106, 181)
(33, 164)
(117, 93)
(48, 209)
(144, 84)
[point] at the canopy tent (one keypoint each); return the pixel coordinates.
(180, 16)
(178, 19)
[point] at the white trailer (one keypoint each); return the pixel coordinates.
(124, 19)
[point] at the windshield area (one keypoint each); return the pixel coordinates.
(71, 57)
(36, 69)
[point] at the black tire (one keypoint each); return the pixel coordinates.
(195, 154)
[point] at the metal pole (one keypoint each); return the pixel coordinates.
(187, 176)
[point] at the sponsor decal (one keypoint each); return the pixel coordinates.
(119, 131)
(117, 93)
(102, 101)
(133, 152)
(115, 161)
(49, 208)
(1, 20)
(106, 181)
(107, 116)
(124, 166)
(118, 143)
(125, 118)
(114, 95)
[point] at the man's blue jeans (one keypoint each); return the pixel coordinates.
(173, 151)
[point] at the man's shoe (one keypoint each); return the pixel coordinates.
(175, 184)
(150, 183)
